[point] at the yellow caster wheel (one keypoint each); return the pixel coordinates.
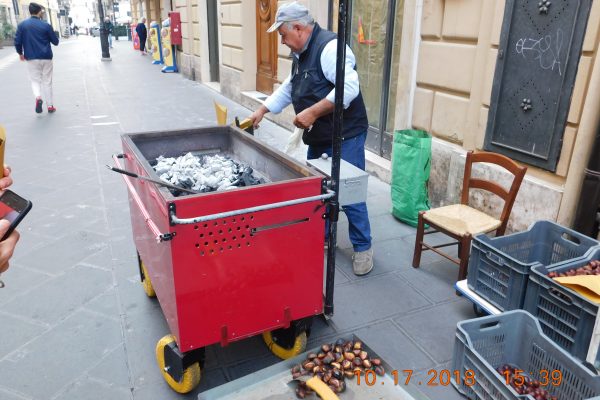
(146, 284)
(191, 375)
(275, 343)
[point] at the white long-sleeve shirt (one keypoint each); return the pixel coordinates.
(282, 97)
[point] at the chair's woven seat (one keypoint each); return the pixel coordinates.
(461, 219)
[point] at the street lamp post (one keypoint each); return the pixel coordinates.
(103, 34)
(338, 120)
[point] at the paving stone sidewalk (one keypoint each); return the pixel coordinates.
(74, 320)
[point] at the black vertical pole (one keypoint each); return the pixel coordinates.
(338, 115)
(103, 33)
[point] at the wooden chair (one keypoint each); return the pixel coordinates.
(462, 222)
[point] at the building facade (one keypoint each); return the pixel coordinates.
(436, 65)
(10, 12)
(56, 11)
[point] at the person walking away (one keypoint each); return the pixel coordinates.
(32, 42)
(76, 30)
(142, 34)
(310, 88)
(109, 30)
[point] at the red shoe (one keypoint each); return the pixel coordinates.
(38, 106)
(51, 109)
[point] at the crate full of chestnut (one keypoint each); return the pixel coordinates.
(567, 317)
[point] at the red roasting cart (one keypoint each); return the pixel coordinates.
(227, 265)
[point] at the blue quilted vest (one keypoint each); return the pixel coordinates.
(309, 86)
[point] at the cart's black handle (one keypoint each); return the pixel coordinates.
(161, 183)
(160, 237)
(124, 172)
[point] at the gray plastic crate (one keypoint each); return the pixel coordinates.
(515, 338)
(566, 317)
(499, 267)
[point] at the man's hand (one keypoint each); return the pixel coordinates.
(308, 117)
(258, 115)
(7, 246)
(6, 181)
(305, 119)
(22, 57)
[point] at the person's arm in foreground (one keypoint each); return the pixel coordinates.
(7, 247)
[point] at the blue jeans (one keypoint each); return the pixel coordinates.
(109, 40)
(353, 151)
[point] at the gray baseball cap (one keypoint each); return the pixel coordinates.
(288, 13)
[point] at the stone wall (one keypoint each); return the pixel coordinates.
(452, 102)
(455, 71)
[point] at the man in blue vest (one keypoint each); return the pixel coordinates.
(310, 88)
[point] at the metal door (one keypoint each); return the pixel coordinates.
(540, 47)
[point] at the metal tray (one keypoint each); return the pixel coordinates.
(271, 383)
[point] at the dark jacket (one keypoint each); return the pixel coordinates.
(109, 27)
(141, 30)
(309, 86)
(33, 39)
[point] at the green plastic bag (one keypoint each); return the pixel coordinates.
(411, 163)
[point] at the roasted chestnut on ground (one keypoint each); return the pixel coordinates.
(334, 363)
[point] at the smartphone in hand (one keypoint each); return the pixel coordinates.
(13, 208)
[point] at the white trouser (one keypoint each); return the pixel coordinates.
(40, 73)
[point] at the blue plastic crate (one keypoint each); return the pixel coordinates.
(566, 317)
(499, 267)
(515, 338)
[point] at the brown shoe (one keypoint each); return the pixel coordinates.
(362, 262)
